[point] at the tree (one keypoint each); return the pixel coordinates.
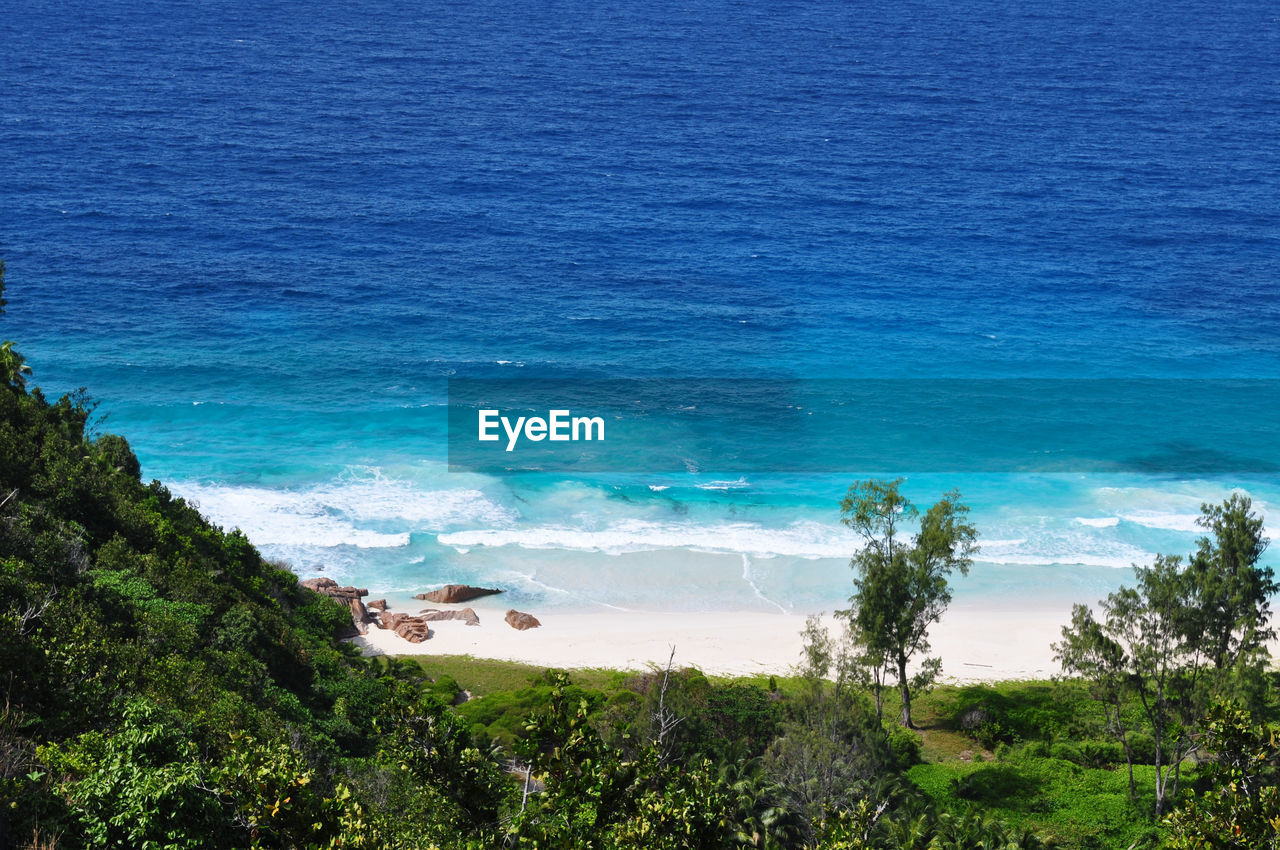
(1178, 639)
(902, 588)
(833, 750)
(144, 785)
(13, 367)
(1232, 607)
(1242, 809)
(1139, 651)
(591, 795)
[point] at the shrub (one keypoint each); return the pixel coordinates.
(999, 784)
(115, 450)
(1066, 751)
(1036, 749)
(904, 746)
(1097, 753)
(1143, 748)
(446, 688)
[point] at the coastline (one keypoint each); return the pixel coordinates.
(976, 642)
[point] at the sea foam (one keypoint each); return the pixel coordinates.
(370, 513)
(803, 539)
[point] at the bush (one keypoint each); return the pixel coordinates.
(1093, 753)
(1101, 753)
(904, 745)
(740, 717)
(1001, 784)
(115, 450)
(1013, 712)
(1066, 751)
(504, 716)
(1036, 749)
(1143, 748)
(446, 688)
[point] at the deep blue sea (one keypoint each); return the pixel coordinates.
(265, 237)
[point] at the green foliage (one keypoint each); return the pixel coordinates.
(1232, 608)
(997, 784)
(144, 786)
(432, 744)
(483, 676)
(904, 747)
(134, 634)
(1073, 806)
(1241, 806)
(592, 797)
(115, 452)
(902, 588)
(1177, 639)
(830, 755)
(905, 822)
(722, 722)
(502, 718)
(1011, 712)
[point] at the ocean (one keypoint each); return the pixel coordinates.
(266, 240)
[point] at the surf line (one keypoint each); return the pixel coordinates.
(558, 426)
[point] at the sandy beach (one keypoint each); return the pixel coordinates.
(975, 643)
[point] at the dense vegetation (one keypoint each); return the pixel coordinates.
(165, 687)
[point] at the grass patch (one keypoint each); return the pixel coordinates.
(1078, 807)
(483, 676)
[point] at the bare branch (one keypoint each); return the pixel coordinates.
(665, 720)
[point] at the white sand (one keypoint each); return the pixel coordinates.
(975, 644)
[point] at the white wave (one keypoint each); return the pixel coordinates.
(809, 540)
(755, 588)
(531, 580)
(1164, 521)
(801, 539)
(363, 512)
(658, 488)
(1099, 521)
(1063, 549)
(736, 484)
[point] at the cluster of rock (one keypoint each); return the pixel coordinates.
(413, 628)
(360, 616)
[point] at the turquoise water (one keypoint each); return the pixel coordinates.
(266, 244)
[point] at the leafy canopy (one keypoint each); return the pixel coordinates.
(902, 584)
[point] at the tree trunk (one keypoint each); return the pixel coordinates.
(879, 685)
(905, 689)
(1128, 757)
(1159, 777)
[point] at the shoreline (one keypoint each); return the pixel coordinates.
(977, 643)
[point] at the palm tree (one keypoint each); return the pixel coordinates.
(13, 366)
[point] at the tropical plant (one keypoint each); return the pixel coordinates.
(901, 587)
